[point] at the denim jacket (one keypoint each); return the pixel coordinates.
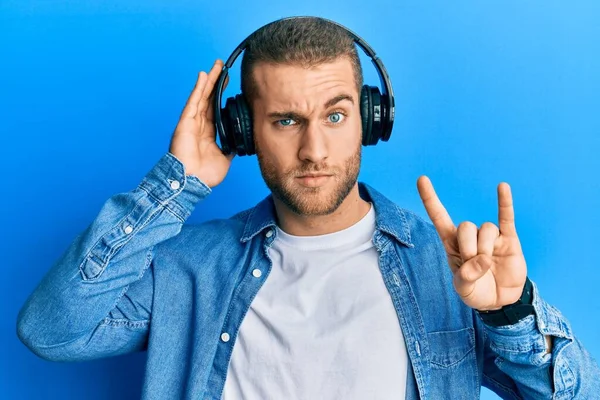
(138, 279)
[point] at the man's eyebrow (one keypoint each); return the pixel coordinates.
(338, 98)
(285, 115)
(297, 116)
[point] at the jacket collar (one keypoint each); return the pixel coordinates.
(389, 218)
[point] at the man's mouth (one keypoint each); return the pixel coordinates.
(313, 180)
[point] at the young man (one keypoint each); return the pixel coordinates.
(325, 289)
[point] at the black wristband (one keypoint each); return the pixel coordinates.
(512, 313)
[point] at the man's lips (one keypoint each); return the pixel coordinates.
(313, 175)
(313, 180)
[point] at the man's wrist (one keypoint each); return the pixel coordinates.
(512, 313)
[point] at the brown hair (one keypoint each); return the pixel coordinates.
(307, 42)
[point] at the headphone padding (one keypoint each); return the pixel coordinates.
(231, 125)
(365, 114)
(246, 124)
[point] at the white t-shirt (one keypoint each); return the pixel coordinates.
(322, 326)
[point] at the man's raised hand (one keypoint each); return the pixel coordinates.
(194, 140)
(488, 264)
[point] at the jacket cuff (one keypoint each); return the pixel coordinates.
(524, 342)
(167, 183)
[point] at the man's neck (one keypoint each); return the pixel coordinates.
(352, 210)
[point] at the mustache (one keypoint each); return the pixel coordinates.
(311, 168)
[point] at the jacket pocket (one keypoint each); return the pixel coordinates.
(451, 348)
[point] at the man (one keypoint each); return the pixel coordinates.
(324, 290)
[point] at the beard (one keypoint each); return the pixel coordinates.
(311, 201)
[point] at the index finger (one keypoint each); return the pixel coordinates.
(434, 207)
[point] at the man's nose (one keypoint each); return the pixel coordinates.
(313, 145)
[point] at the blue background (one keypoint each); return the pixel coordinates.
(485, 92)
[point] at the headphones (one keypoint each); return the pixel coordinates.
(234, 121)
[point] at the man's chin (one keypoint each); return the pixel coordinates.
(314, 210)
(312, 202)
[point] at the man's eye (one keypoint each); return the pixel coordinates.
(336, 117)
(286, 122)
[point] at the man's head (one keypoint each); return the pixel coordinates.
(302, 80)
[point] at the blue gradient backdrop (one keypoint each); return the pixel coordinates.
(486, 92)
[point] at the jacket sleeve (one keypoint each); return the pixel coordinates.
(96, 299)
(518, 366)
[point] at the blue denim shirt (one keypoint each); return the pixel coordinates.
(138, 279)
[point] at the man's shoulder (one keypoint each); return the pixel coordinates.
(222, 228)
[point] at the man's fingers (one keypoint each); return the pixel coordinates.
(486, 238)
(191, 107)
(469, 273)
(506, 212)
(212, 78)
(210, 115)
(436, 211)
(466, 235)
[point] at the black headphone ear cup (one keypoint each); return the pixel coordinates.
(238, 127)
(365, 114)
(231, 126)
(372, 114)
(246, 124)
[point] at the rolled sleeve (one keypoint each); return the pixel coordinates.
(524, 342)
(523, 345)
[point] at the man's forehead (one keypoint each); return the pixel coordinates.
(282, 85)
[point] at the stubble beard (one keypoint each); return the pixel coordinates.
(311, 201)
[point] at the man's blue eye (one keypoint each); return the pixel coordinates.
(337, 117)
(286, 122)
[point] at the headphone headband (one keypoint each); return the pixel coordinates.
(377, 63)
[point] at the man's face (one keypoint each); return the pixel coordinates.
(307, 131)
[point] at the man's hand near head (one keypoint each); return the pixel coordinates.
(194, 140)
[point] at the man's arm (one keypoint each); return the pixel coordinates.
(519, 363)
(96, 299)
(489, 272)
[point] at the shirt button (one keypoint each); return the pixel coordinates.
(269, 233)
(225, 337)
(418, 348)
(175, 185)
(128, 229)
(256, 273)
